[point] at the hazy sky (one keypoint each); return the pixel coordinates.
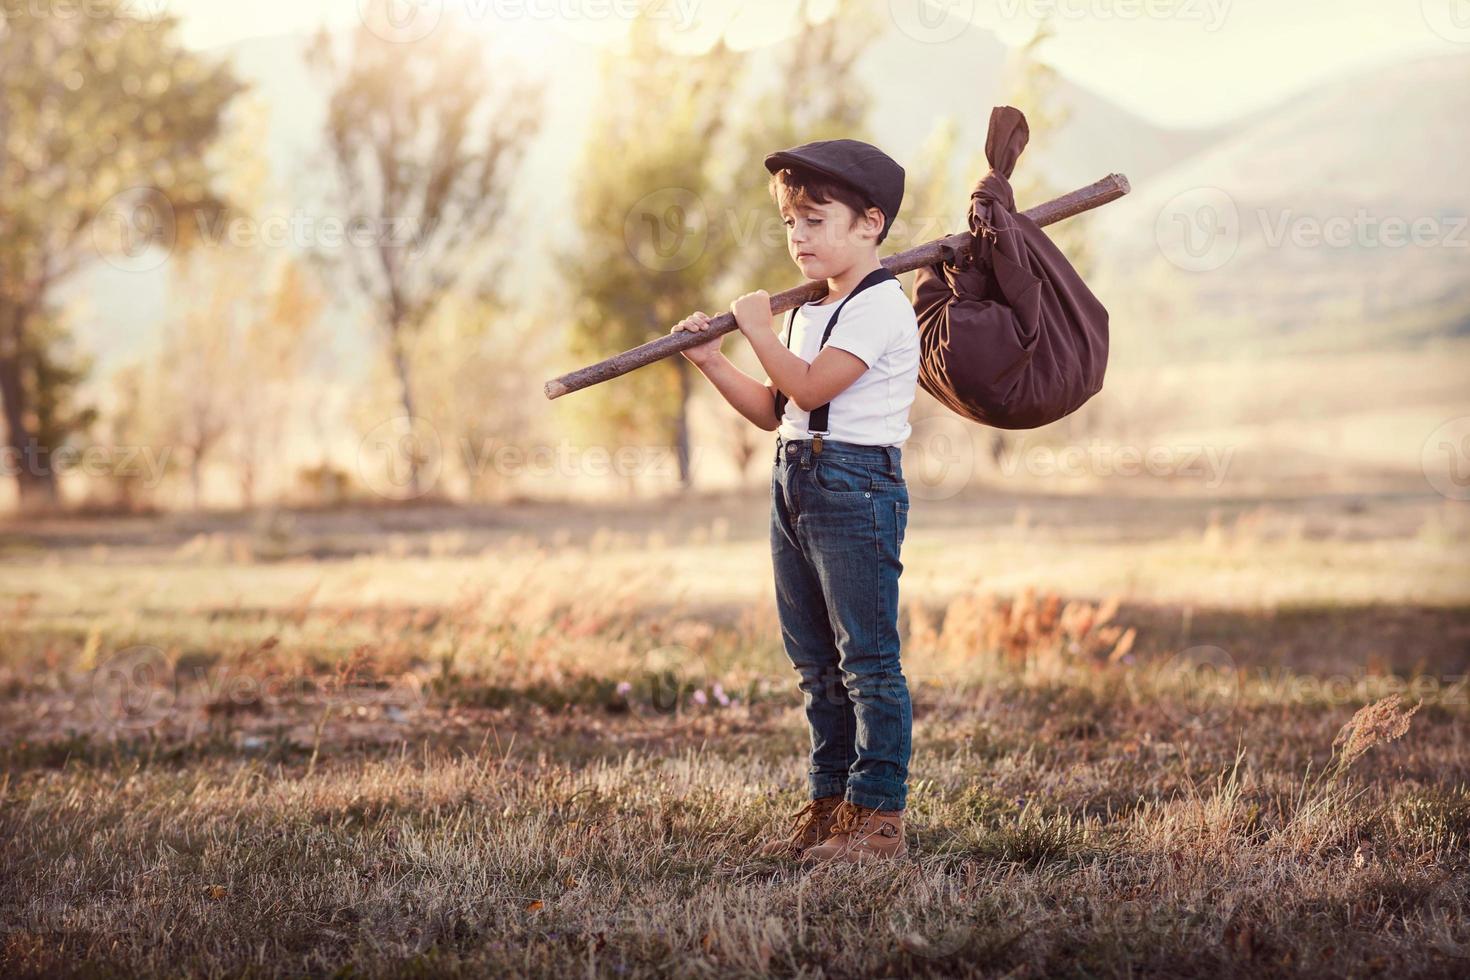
(1178, 62)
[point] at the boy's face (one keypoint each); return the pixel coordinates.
(824, 239)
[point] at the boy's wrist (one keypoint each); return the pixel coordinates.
(752, 335)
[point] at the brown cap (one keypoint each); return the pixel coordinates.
(861, 165)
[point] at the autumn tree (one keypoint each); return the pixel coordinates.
(279, 342)
(245, 325)
(104, 123)
(133, 457)
(478, 359)
(425, 136)
(649, 207)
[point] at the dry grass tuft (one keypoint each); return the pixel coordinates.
(1038, 634)
(1373, 724)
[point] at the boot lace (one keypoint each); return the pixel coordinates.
(805, 818)
(850, 817)
(847, 819)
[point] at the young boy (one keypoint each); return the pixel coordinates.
(838, 394)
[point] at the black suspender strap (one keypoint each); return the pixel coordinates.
(817, 425)
(781, 395)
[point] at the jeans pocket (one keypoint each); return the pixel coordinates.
(836, 473)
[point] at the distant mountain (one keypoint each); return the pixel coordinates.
(1297, 230)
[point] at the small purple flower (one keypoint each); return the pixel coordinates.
(624, 687)
(699, 697)
(720, 694)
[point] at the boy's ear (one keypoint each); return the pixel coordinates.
(875, 213)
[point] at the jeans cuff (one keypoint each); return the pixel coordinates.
(876, 801)
(827, 785)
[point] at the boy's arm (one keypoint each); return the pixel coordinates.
(757, 402)
(832, 373)
(855, 344)
(808, 385)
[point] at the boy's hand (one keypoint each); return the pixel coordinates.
(699, 354)
(753, 311)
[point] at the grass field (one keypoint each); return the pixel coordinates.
(1152, 737)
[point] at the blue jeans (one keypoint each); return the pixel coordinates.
(837, 525)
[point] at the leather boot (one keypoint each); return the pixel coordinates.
(859, 834)
(812, 823)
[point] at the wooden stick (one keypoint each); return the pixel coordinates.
(952, 248)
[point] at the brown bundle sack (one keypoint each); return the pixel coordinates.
(1011, 337)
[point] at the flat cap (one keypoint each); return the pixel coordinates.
(862, 165)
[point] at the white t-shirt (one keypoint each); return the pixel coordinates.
(879, 326)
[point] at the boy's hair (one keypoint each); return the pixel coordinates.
(791, 186)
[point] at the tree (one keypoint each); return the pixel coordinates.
(258, 306)
(648, 204)
(424, 145)
(482, 391)
(195, 363)
(52, 373)
(278, 343)
(126, 428)
(232, 357)
(104, 123)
